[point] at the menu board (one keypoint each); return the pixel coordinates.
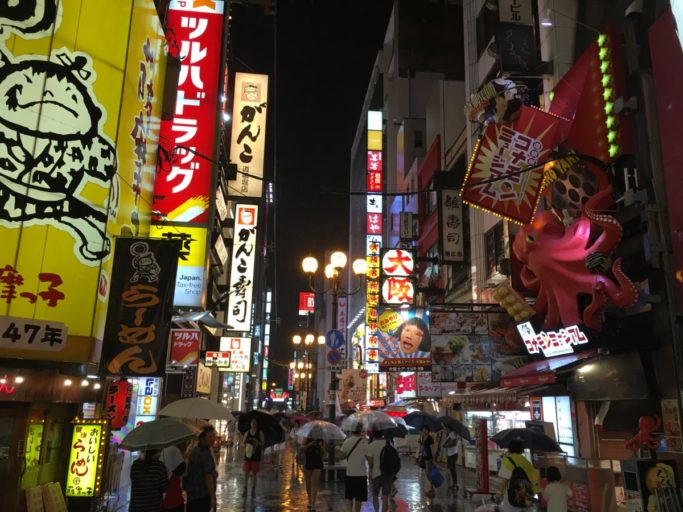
(671, 423)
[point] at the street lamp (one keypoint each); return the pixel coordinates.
(333, 273)
(303, 366)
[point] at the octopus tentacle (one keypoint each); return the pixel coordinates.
(611, 229)
(627, 294)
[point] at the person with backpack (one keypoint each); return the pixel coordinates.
(384, 466)
(356, 482)
(519, 479)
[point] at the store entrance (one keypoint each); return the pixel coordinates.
(12, 449)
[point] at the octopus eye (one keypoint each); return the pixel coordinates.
(530, 239)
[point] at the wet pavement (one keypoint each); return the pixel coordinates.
(281, 488)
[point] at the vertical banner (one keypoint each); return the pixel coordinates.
(450, 222)
(88, 444)
(248, 142)
(184, 168)
(242, 268)
(139, 315)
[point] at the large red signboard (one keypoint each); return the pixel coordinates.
(184, 168)
(185, 346)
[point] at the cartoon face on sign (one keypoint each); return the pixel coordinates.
(52, 144)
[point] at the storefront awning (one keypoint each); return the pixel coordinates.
(542, 372)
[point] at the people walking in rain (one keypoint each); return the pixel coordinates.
(381, 482)
(354, 451)
(148, 482)
(425, 456)
(519, 479)
(200, 479)
(451, 445)
(313, 465)
(174, 460)
(254, 444)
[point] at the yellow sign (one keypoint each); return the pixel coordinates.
(84, 472)
(375, 140)
(34, 440)
(77, 158)
(389, 321)
(189, 284)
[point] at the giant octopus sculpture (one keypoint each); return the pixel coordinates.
(563, 264)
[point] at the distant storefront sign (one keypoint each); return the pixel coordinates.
(185, 347)
(203, 379)
(240, 353)
(306, 302)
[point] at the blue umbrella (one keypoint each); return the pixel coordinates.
(419, 419)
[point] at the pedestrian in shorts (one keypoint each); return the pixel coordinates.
(354, 451)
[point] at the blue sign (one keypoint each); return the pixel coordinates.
(333, 357)
(334, 339)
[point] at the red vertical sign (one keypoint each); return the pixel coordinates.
(184, 168)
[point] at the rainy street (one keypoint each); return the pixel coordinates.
(281, 488)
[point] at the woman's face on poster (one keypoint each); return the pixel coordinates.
(411, 338)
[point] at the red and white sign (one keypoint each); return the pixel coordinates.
(406, 384)
(398, 290)
(306, 302)
(183, 183)
(117, 403)
(398, 262)
(240, 353)
(185, 347)
(551, 343)
(342, 314)
(248, 142)
(242, 268)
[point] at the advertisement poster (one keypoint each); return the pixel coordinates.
(76, 169)
(473, 347)
(139, 316)
(87, 450)
(354, 385)
(404, 341)
(185, 347)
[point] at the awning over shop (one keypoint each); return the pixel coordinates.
(543, 372)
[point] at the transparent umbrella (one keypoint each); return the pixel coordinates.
(196, 408)
(319, 429)
(370, 420)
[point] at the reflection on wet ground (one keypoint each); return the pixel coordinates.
(281, 487)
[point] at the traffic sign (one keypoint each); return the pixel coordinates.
(334, 357)
(334, 339)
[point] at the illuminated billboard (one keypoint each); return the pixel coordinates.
(87, 448)
(241, 285)
(75, 170)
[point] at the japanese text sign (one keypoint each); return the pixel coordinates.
(450, 220)
(183, 183)
(398, 290)
(496, 179)
(117, 403)
(34, 335)
(240, 353)
(551, 343)
(189, 283)
(247, 147)
(218, 359)
(185, 346)
(404, 341)
(515, 11)
(139, 315)
(242, 268)
(87, 173)
(398, 262)
(85, 460)
(398, 270)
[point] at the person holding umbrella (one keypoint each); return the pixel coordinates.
(451, 445)
(519, 479)
(425, 458)
(148, 482)
(200, 479)
(313, 464)
(254, 443)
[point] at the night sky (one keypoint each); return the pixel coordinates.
(325, 52)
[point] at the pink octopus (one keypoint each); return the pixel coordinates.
(556, 259)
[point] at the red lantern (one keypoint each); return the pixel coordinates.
(117, 403)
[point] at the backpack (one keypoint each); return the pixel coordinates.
(520, 491)
(389, 461)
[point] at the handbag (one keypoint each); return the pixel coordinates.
(435, 477)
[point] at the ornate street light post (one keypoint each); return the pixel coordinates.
(333, 273)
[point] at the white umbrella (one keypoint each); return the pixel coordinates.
(157, 434)
(196, 408)
(370, 420)
(320, 430)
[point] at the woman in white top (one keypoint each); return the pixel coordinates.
(451, 446)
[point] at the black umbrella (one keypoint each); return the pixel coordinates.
(456, 426)
(272, 431)
(397, 431)
(419, 419)
(531, 438)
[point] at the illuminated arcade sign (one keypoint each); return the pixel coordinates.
(551, 343)
(84, 472)
(240, 353)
